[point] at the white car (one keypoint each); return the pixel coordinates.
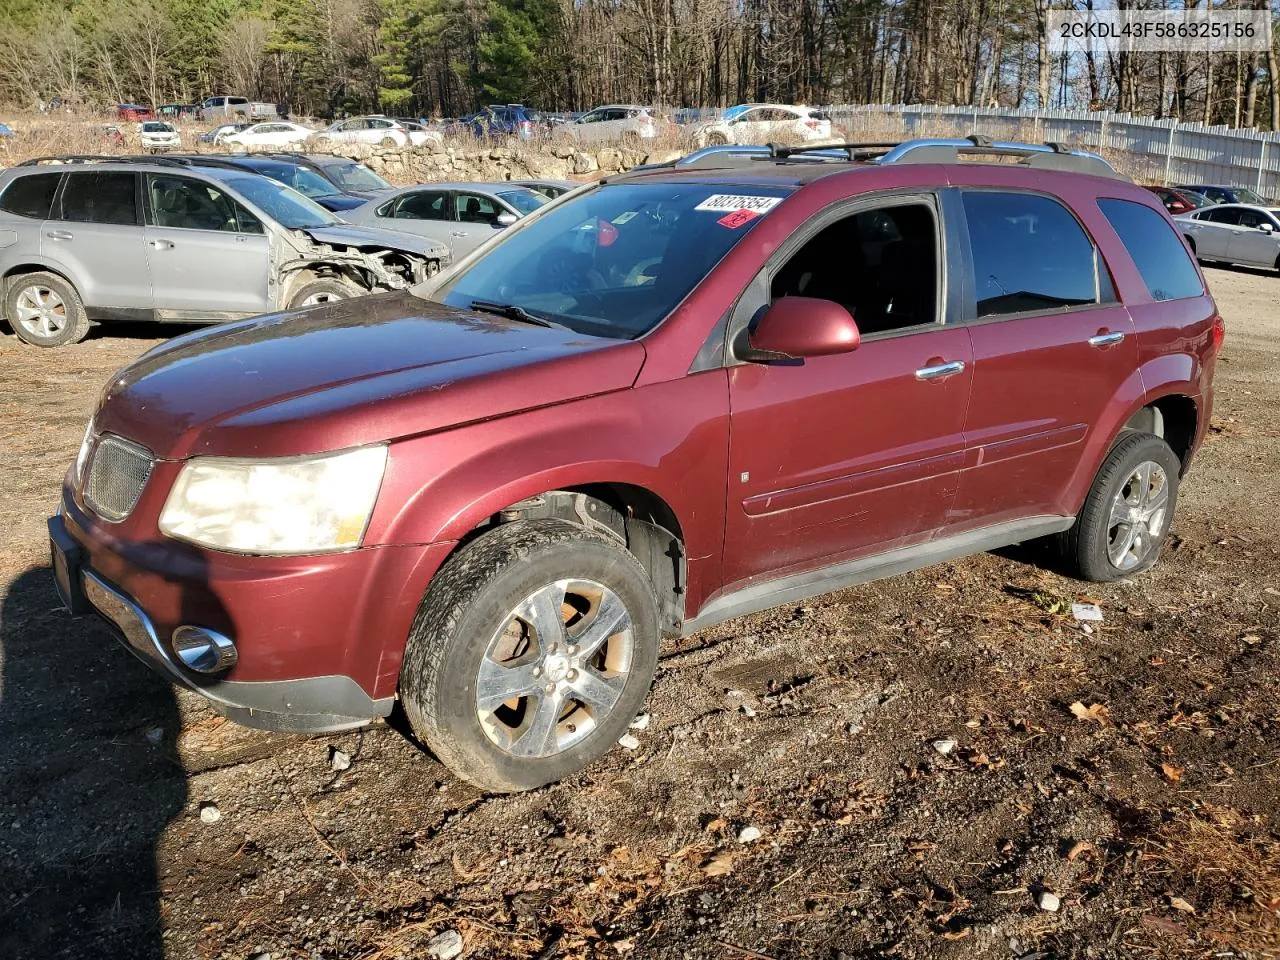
(156, 135)
(1233, 233)
(765, 123)
(276, 133)
(383, 131)
(612, 122)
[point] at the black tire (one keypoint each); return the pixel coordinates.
(1191, 242)
(475, 596)
(324, 290)
(46, 286)
(1088, 546)
(717, 140)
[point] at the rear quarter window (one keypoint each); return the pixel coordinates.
(30, 196)
(1155, 248)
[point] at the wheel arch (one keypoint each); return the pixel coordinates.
(35, 265)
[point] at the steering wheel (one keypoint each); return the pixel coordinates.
(568, 271)
(638, 275)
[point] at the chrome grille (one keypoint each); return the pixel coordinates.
(118, 470)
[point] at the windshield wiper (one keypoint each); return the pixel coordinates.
(513, 312)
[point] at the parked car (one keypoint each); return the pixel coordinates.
(611, 122)
(222, 131)
(276, 133)
(1180, 201)
(644, 410)
(1223, 193)
(462, 215)
(509, 120)
(348, 176)
(282, 169)
(133, 113)
(6, 130)
(223, 106)
(551, 189)
(208, 243)
(111, 134)
(1234, 233)
(757, 123)
(380, 130)
(157, 136)
(180, 111)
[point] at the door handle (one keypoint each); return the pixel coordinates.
(459, 233)
(161, 244)
(1106, 339)
(940, 371)
(60, 235)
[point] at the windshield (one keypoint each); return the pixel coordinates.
(156, 128)
(356, 176)
(306, 182)
(736, 111)
(286, 206)
(615, 261)
(1246, 195)
(525, 201)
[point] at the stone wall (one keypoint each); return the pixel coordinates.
(441, 162)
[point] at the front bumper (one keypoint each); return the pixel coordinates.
(319, 639)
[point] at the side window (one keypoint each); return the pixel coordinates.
(31, 196)
(473, 208)
(1029, 253)
(1229, 217)
(100, 198)
(879, 264)
(1252, 219)
(177, 202)
(421, 205)
(1155, 248)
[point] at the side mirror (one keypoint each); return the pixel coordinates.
(796, 327)
(505, 219)
(1266, 228)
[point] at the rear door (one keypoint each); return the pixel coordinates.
(96, 231)
(1051, 348)
(424, 213)
(1212, 232)
(854, 454)
(208, 255)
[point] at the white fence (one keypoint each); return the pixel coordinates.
(1160, 151)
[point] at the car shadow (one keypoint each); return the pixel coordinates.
(89, 779)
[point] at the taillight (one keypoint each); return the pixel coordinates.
(526, 126)
(646, 121)
(1218, 334)
(813, 124)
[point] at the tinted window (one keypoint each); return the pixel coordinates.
(100, 198)
(1029, 253)
(190, 205)
(288, 207)
(355, 176)
(1229, 217)
(1156, 250)
(419, 205)
(31, 196)
(473, 208)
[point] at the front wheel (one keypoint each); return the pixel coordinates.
(1126, 517)
(324, 290)
(531, 653)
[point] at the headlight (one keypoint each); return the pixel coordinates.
(285, 506)
(82, 458)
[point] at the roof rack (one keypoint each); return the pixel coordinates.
(97, 158)
(1047, 156)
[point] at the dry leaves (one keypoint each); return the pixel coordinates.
(1095, 712)
(1179, 904)
(721, 865)
(1173, 773)
(1079, 849)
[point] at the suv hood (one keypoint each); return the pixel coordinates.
(348, 235)
(348, 373)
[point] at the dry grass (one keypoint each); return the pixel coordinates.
(1226, 867)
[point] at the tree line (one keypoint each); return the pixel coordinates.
(446, 57)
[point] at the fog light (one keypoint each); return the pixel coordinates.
(204, 651)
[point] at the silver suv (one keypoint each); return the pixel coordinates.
(128, 239)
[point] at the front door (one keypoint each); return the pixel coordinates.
(1252, 242)
(477, 220)
(1051, 349)
(853, 454)
(208, 254)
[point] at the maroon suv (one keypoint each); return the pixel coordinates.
(680, 395)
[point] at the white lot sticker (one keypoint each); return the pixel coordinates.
(728, 202)
(627, 217)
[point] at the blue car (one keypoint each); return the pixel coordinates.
(512, 119)
(1222, 193)
(6, 130)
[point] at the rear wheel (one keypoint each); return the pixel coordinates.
(1126, 517)
(45, 310)
(717, 140)
(531, 653)
(324, 290)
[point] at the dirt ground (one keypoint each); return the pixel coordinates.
(1148, 809)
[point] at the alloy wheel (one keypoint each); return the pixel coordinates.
(1138, 515)
(41, 311)
(555, 668)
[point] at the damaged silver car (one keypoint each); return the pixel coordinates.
(85, 240)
